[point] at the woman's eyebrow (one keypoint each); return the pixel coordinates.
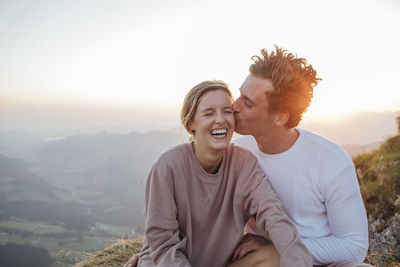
(207, 109)
(212, 109)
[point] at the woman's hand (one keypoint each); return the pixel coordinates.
(132, 262)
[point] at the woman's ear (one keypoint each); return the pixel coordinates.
(191, 128)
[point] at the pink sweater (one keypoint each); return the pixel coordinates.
(194, 218)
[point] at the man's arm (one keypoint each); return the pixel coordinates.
(347, 220)
(163, 246)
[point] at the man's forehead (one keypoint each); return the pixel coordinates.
(255, 88)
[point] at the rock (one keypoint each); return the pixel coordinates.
(384, 245)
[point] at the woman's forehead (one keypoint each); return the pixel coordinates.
(215, 98)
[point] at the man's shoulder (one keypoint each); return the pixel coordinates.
(323, 147)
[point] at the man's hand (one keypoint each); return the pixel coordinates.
(249, 243)
(132, 262)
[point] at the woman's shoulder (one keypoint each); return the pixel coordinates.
(241, 155)
(173, 155)
(244, 165)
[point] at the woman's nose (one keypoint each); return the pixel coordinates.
(219, 119)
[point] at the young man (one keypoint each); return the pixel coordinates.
(314, 178)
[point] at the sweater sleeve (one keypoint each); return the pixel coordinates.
(261, 202)
(347, 220)
(164, 245)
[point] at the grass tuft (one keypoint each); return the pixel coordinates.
(115, 255)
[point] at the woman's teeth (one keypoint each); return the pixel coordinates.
(219, 133)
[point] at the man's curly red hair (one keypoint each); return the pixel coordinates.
(293, 80)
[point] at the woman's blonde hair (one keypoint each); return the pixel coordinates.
(192, 99)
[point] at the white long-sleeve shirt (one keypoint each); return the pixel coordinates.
(317, 185)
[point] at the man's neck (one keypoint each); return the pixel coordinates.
(278, 141)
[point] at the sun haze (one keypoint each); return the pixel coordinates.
(148, 54)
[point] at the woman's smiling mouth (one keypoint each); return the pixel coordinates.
(219, 133)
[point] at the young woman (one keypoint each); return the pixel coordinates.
(199, 195)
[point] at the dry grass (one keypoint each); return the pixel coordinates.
(118, 254)
(114, 255)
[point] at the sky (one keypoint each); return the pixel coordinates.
(132, 62)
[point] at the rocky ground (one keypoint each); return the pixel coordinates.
(384, 242)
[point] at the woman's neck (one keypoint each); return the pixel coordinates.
(210, 160)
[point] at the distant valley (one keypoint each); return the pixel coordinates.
(75, 193)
